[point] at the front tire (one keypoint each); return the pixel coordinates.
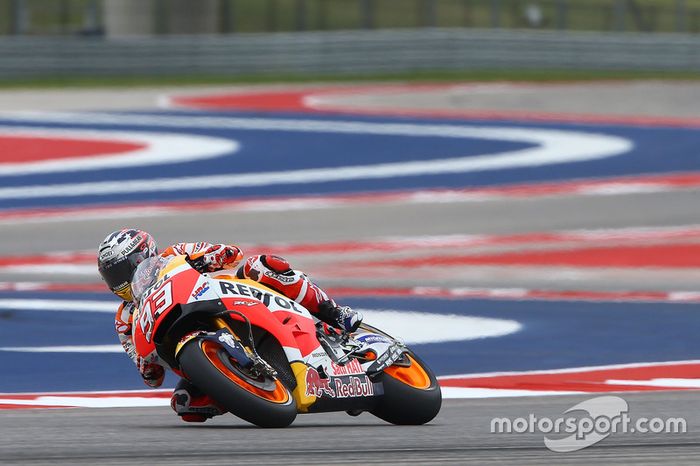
(263, 401)
(412, 394)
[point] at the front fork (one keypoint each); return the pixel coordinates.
(245, 356)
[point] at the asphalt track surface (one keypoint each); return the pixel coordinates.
(459, 435)
(622, 98)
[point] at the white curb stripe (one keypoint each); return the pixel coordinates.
(553, 147)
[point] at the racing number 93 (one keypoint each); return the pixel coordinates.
(159, 301)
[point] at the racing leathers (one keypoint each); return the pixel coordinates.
(272, 271)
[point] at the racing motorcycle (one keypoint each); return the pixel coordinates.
(264, 357)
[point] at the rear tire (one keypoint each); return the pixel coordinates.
(409, 400)
(265, 402)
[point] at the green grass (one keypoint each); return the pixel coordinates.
(430, 76)
(68, 16)
(586, 15)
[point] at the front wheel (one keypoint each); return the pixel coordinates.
(412, 395)
(260, 400)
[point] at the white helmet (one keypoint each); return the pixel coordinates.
(118, 256)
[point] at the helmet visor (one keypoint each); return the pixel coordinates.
(117, 276)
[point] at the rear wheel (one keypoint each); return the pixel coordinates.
(261, 400)
(411, 393)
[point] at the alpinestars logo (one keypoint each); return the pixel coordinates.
(279, 278)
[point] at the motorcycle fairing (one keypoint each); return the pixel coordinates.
(157, 304)
(322, 383)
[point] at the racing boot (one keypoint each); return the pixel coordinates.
(341, 317)
(191, 404)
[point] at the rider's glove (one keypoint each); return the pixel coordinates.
(341, 317)
(218, 257)
(152, 374)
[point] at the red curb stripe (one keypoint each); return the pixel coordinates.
(589, 380)
(603, 379)
(670, 256)
(283, 100)
(298, 101)
(23, 149)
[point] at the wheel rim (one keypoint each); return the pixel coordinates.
(413, 375)
(279, 394)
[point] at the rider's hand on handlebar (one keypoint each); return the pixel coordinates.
(217, 257)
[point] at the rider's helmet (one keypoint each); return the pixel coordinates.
(118, 256)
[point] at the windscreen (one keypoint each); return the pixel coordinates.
(146, 276)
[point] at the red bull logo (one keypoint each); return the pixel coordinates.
(352, 367)
(354, 387)
(316, 385)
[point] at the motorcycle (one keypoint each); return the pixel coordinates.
(265, 358)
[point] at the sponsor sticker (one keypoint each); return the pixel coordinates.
(370, 338)
(317, 385)
(348, 386)
(244, 303)
(274, 302)
(200, 291)
(388, 358)
(354, 387)
(279, 278)
(122, 328)
(352, 367)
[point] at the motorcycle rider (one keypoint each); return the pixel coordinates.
(123, 250)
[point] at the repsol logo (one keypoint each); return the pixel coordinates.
(239, 289)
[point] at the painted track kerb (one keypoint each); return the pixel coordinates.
(160, 148)
(552, 147)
